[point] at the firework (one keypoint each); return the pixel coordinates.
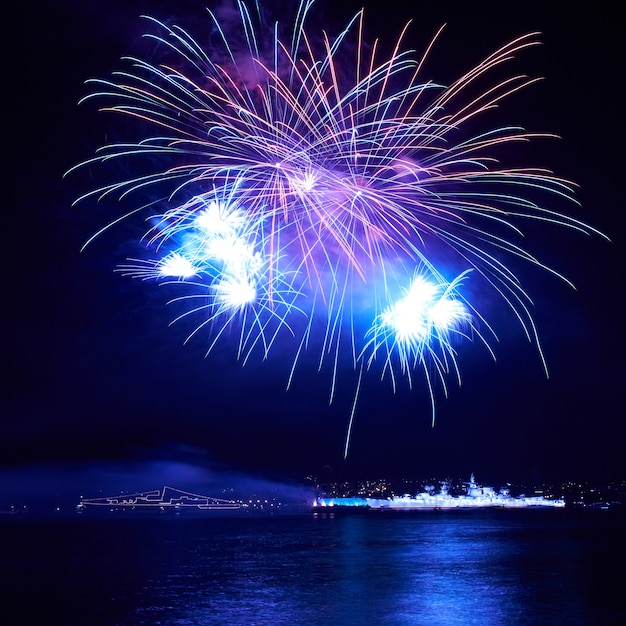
(287, 185)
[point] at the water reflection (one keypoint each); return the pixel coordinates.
(430, 569)
(360, 569)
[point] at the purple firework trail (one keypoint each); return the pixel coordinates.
(291, 186)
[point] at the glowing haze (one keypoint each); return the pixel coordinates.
(294, 177)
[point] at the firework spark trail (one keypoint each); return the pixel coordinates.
(292, 183)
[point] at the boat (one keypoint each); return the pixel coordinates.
(161, 500)
(477, 497)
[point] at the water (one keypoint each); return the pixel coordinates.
(422, 568)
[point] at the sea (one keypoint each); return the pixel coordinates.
(486, 568)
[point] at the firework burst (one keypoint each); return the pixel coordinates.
(299, 177)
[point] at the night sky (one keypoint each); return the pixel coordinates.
(98, 390)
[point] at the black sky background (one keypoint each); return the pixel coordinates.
(94, 378)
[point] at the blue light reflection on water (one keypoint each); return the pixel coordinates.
(428, 568)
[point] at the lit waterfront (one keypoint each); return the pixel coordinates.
(302, 498)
